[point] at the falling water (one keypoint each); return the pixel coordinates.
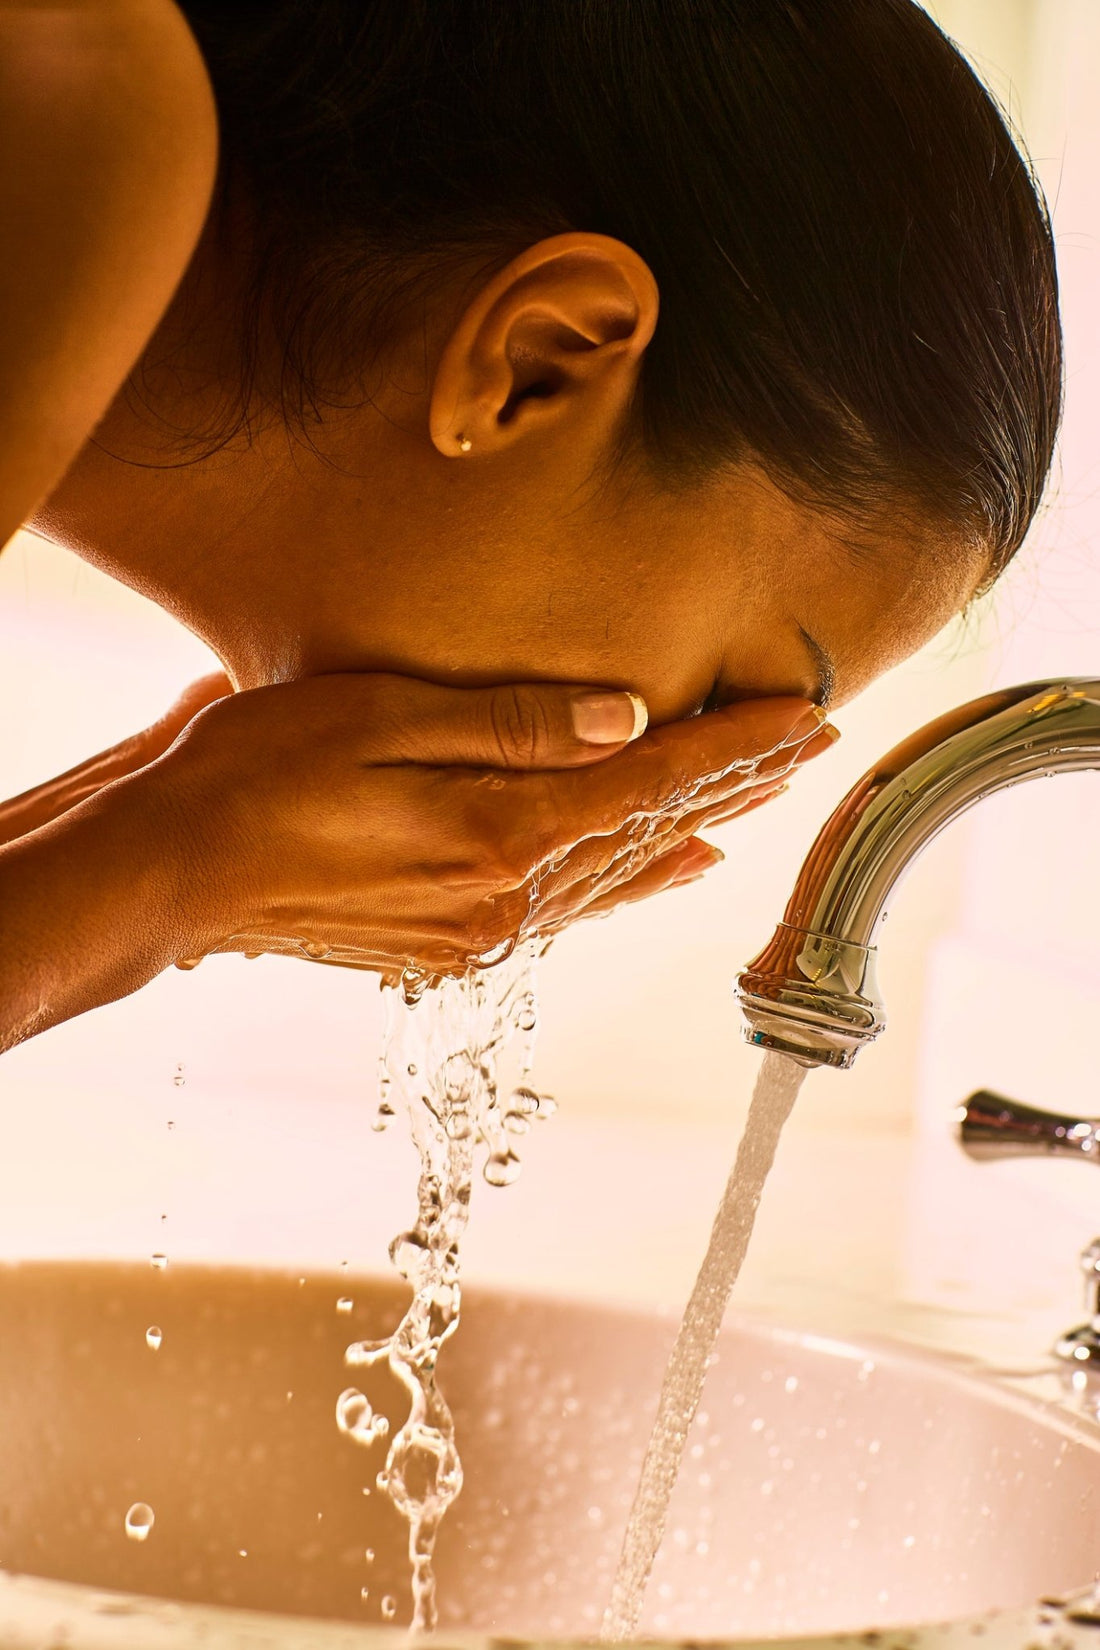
(776, 1090)
(441, 1062)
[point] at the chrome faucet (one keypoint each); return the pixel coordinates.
(811, 992)
(990, 1127)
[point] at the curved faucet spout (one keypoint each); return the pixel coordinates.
(811, 992)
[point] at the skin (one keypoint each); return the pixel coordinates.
(409, 603)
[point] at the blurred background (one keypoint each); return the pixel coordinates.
(990, 964)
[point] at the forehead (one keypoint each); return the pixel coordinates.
(866, 596)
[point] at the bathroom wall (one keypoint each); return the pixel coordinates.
(638, 1018)
(1013, 980)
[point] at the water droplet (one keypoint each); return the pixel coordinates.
(289, 1396)
(458, 1125)
(158, 1262)
(139, 1521)
(179, 1079)
(389, 1606)
(315, 949)
(153, 1337)
(414, 983)
(412, 1068)
(356, 1418)
(344, 1304)
(364, 1593)
(369, 1555)
(242, 1552)
(496, 954)
(382, 1117)
(186, 963)
(411, 1255)
(502, 1169)
(547, 1105)
(791, 1384)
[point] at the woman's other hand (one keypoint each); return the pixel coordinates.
(387, 822)
(48, 801)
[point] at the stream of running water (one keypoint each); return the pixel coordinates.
(773, 1098)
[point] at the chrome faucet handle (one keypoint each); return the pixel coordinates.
(993, 1126)
(1082, 1345)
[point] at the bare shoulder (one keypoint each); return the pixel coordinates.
(108, 151)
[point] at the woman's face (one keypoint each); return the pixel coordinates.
(386, 542)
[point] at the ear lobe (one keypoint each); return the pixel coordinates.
(553, 341)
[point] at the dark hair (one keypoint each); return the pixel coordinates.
(855, 264)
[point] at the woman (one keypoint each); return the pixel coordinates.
(511, 368)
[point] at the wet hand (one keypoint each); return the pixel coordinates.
(382, 821)
(48, 801)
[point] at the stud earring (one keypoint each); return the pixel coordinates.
(464, 443)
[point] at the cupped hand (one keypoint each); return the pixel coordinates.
(389, 823)
(54, 797)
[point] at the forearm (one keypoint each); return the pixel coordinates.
(93, 906)
(109, 139)
(20, 815)
(37, 807)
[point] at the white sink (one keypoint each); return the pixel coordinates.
(828, 1487)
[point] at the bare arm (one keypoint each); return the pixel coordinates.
(108, 148)
(368, 818)
(46, 802)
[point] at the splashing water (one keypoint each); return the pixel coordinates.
(773, 1098)
(440, 1060)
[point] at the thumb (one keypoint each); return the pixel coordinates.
(522, 725)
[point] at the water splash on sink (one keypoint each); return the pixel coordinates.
(441, 1062)
(773, 1098)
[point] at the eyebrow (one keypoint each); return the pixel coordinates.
(826, 669)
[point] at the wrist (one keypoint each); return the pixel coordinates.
(187, 817)
(92, 906)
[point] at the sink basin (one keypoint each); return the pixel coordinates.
(827, 1487)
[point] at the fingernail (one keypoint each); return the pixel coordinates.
(814, 720)
(609, 718)
(821, 740)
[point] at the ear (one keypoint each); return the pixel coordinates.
(551, 346)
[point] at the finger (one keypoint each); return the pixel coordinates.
(519, 725)
(669, 860)
(682, 766)
(685, 863)
(757, 800)
(163, 732)
(623, 854)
